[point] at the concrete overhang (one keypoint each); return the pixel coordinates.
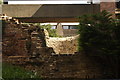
(47, 19)
(50, 12)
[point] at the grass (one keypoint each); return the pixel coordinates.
(15, 72)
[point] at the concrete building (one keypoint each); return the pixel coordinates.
(58, 13)
(64, 13)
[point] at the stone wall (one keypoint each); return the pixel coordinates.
(21, 39)
(64, 45)
(73, 66)
(14, 42)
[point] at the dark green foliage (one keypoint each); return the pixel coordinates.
(99, 33)
(52, 32)
(1, 2)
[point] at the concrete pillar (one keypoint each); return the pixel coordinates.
(59, 29)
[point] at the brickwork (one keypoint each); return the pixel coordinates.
(109, 6)
(14, 42)
(18, 39)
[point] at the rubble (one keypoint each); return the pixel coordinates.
(64, 45)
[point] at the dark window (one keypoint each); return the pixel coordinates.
(65, 27)
(118, 4)
(70, 27)
(73, 27)
(5, 2)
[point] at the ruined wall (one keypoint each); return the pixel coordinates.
(65, 45)
(72, 66)
(21, 39)
(14, 42)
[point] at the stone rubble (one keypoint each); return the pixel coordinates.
(65, 45)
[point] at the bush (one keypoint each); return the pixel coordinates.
(52, 32)
(99, 33)
(0, 2)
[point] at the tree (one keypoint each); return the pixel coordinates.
(99, 33)
(100, 37)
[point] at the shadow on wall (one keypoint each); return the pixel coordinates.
(65, 10)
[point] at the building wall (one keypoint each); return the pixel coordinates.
(108, 6)
(19, 10)
(70, 32)
(49, 13)
(49, 10)
(65, 32)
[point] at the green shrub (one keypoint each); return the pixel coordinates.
(1, 2)
(52, 32)
(13, 72)
(99, 33)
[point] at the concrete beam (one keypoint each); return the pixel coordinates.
(48, 19)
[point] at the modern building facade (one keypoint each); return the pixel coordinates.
(58, 13)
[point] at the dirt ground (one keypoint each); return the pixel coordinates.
(69, 66)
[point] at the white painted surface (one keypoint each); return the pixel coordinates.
(61, 23)
(48, 2)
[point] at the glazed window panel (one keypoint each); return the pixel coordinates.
(53, 27)
(73, 27)
(65, 27)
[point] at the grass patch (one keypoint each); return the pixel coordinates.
(15, 72)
